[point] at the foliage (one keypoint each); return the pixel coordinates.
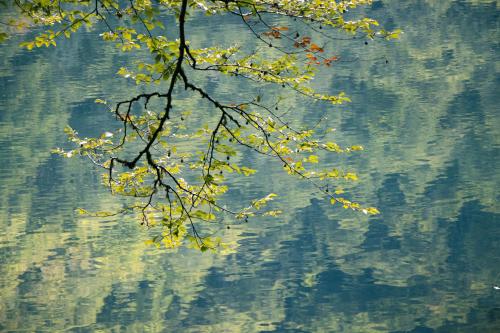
(438, 161)
(144, 162)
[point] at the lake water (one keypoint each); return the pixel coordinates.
(429, 120)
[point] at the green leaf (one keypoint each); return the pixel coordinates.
(313, 159)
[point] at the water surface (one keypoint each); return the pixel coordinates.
(428, 119)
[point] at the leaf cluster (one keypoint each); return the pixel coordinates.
(144, 160)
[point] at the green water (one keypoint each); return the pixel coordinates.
(430, 124)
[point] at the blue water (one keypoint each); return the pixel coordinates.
(430, 124)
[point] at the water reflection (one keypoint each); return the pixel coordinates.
(429, 124)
